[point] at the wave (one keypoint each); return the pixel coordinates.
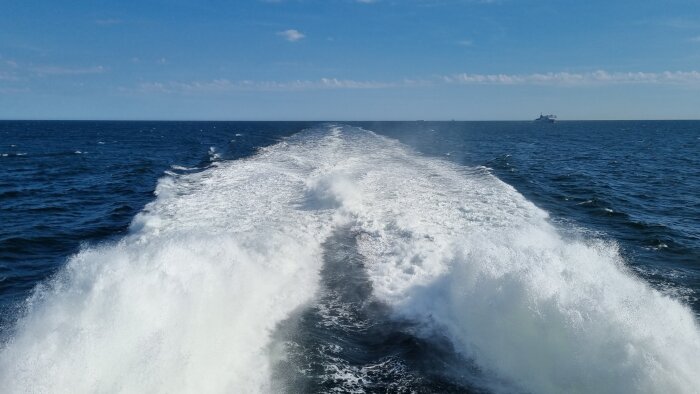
(186, 302)
(190, 299)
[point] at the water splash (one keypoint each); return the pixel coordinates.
(190, 299)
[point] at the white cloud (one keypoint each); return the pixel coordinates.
(564, 79)
(292, 35)
(350, 84)
(465, 43)
(57, 70)
(12, 70)
(599, 77)
(225, 85)
(695, 39)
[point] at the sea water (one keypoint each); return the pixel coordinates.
(350, 257)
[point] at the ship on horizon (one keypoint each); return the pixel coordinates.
(546, 118)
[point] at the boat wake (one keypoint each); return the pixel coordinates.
(340, 260)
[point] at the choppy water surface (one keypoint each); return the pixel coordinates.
(364, 257)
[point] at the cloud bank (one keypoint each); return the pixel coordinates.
(558, 79)
(225, 85)
(599, 77)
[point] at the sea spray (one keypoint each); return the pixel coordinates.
(465, 255)
(189, 299)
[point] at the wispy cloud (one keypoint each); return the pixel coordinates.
(8, 69)
(5, 90)
(11, 70)
(58, 70)
(695, 39)
(7, 76)
(292, 35)
(226, 85)
(465, 43)
(560, 79)
(599, 77)
(108, 21)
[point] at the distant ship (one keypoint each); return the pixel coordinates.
(546, 118)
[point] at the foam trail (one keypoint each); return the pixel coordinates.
(467, 256)
(188, 301)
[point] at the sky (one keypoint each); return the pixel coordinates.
(349, 59)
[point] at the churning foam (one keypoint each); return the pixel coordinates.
(187, 302)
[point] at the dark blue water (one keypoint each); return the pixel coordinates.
(67, 185)
(63, 184)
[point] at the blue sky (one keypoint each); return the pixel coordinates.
(349, 59)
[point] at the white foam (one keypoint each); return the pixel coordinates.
(213, 154)
(183, 168)
(188, 300)
(470, 258)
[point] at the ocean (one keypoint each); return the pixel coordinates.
(451, 257)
